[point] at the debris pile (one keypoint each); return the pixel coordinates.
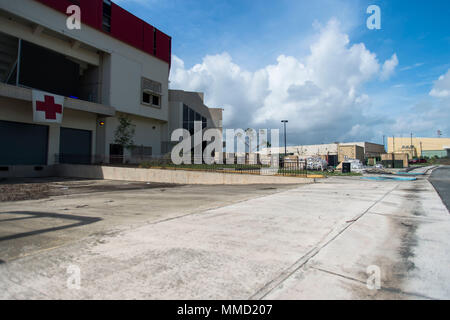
(315, 163)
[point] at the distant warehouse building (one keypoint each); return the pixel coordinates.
(334, 153)
(371, 150)
(420, 147)
(350, 151)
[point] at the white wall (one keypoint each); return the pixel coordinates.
(148, 133)
(125, 92)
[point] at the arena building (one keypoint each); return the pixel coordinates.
(63, 90)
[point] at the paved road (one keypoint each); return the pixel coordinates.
(311, 242)
(440, 178)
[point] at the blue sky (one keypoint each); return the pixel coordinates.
(247, 37)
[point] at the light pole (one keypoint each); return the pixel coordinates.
(285, 146)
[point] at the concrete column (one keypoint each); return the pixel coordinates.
(100, 143)
(54, 131)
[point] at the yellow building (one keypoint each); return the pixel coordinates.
(420, 147)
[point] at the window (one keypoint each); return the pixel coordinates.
(155, 100)
(185, 113)
(146, 97)
(151, 99)
(107, 15)
(151, 92)
(190, 116)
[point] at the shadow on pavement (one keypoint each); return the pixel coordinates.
(80, 221)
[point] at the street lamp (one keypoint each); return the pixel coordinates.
(285, 147)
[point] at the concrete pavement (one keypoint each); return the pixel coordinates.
(75, 209)
(310, 242)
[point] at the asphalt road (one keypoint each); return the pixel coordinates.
(440, 179)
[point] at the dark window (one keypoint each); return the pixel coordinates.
(191, 115)
(204, 123)
(185, 113)
(186, 125)
(146, 97)
(107, 15)
(49, 71)
(155, 100)
(198, 117)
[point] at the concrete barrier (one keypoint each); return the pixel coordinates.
(171, 176)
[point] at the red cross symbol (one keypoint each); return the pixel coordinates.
(49, 107)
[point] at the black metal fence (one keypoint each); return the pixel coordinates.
(163, 162)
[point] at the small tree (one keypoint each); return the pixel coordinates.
(124, 133)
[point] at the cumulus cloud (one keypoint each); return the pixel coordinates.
(389, 67)
(441, 87)
(321, 94)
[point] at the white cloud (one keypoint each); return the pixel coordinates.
(321, 94)
(389, 67)
(441, 88)
(416, 65)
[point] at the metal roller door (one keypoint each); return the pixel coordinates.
(75, 146)
(23, 143)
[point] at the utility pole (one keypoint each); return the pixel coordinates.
(285, 145)
(393, 144)
(421, 155)
(384, 141)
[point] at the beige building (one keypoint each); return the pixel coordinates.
(395, 160)
(350, 152)
(371, 150)
(420, 147)
(331, 152)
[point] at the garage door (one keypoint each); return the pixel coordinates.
(23, 144)
(75, 146)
